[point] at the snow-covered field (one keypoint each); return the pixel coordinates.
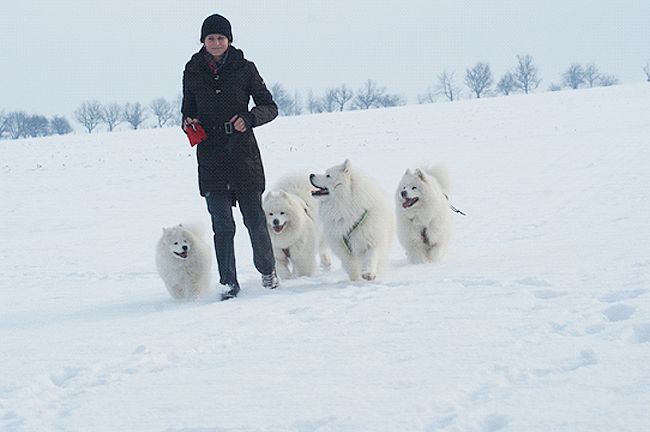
(537, 320)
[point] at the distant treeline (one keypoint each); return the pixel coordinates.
(478, 80)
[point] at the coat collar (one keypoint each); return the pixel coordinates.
(234, 59)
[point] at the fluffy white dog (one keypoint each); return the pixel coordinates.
(294, 226)
(184, 262)
(425, 223)
(357, 218)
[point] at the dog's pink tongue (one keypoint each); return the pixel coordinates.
(409, 202)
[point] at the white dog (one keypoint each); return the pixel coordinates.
(294, 226)
(425, 223)
(357, 218)
(184, 262)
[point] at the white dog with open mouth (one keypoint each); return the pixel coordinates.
(184, 262)
(294, 226)
(358, 220)
(425, 219)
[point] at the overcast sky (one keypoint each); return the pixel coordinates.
(57, 54)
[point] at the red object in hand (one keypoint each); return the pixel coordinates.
(196, 134)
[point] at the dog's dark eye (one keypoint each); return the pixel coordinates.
(413, 188)
(270, 214)
(327, 175)
(281, 213)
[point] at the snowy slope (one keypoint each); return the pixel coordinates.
(537, 320)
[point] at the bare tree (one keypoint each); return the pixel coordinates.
(112, 115)
(646, 69)
(177, 118)
(336, 98)
(60, 126)
(574, 76)
(447, 86)
(608, 80)
(329, 101)
(526, 74)
(479, 79)
(591, 74)
(15, 124)
(287, 104)
(297, 104)
(134, 114)
(314, 104)
(280, 97)
(37, 126)
(372, 96)
(89, 114)
(3, 124)
(368, 96)
(428, 97)
(392, 100)
(162, 109)
(507, 84)
(21, 125)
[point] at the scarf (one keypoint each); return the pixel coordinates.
(216, 66)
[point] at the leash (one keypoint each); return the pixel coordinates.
(456, 210)
(346, 238)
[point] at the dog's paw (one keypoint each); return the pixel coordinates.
(369, 276)
(325, 261)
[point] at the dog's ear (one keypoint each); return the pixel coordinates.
(420, 174)
(408, 172)
(283, 193)
(346, 165)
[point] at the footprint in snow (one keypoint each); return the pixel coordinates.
(619, 312)
(543, 294)
(548, 294)
(62, 377)
(587, 358)
(533, 281)
(494, 422)
(641, 334)
(617, 296)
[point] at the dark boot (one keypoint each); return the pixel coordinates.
(270, 281)
(233, 290)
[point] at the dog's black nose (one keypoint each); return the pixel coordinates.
(403, 194)
(276, 222)
(185, 248)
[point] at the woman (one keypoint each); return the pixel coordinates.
(217, 85)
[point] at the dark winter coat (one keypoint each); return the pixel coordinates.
(227, 162)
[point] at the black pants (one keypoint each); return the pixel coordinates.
(223, 225)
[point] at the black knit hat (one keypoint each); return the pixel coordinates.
(216, 24)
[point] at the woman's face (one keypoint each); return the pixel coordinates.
(216, 44)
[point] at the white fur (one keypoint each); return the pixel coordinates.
(345, 195)
(295, 229)
(186, 275)
(425, 223)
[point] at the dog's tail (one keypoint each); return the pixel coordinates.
(443, 176)
(195, 227)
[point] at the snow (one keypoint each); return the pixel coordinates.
(538, 319)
